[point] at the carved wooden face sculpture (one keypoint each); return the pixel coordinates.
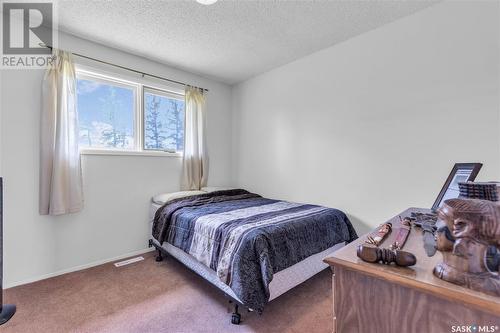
(474, 226)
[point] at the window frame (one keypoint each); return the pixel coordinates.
(139, 88)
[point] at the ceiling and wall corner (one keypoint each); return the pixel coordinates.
(229, 41)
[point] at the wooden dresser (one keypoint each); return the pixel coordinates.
(385, 298)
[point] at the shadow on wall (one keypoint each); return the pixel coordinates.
(360, 226)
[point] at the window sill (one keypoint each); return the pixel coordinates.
(128, 153)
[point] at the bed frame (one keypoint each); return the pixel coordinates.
(205, 272)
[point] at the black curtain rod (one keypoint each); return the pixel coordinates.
(130, 69)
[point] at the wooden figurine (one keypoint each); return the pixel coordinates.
(468, 230)
(370, 253)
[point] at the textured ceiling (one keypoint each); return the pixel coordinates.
(229, 41)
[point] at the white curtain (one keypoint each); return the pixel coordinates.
(195, 161)
(60, 170)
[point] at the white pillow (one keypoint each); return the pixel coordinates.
(163, 198)
(216, 188)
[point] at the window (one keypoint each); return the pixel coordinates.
(163, 121)
(118, 115)
(106, 112)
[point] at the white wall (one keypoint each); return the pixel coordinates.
(374, 125)
(117, 188)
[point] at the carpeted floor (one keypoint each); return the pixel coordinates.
(158, 297)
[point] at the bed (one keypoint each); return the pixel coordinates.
(252, 248)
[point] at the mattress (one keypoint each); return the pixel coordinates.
(249, 278)
(282, 281)
(152, 211)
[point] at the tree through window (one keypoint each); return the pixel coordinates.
(113, 116)
(163, 121)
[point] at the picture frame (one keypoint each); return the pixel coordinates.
(461, 172)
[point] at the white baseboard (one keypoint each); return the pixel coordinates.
(77, 268)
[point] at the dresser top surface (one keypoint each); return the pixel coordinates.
(420, 275)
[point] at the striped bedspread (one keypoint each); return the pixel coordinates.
(246, 238)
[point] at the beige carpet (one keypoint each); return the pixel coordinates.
(158, 297)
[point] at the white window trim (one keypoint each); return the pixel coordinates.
(139, 89)
(114, 152)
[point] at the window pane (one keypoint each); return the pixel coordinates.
(105, 114)
(163, 122)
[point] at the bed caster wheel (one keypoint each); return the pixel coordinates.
(159, 257)
(236, 319)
